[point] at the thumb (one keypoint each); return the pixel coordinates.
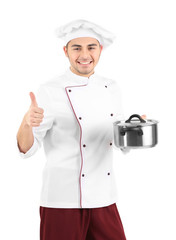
(33, 100)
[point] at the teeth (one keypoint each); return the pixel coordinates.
(84, 62)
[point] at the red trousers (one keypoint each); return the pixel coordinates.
(81, 224)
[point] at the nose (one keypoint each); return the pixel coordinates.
(84, 54)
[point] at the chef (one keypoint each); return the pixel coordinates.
(73, 115)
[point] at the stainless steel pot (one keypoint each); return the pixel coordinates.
(135, 133)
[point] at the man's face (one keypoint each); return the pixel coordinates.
(83, 54)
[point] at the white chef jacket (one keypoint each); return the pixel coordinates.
(77, 136)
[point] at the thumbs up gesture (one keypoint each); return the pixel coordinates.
(34, 115)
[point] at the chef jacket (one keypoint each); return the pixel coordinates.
(77, 136)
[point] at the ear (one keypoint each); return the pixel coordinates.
(101, 48)
(65, 51)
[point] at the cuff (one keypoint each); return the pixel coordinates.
(125, 150)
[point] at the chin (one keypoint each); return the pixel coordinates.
(85, 72)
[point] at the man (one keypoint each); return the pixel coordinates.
(73, 116)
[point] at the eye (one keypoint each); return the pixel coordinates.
(91, 48)
(76, 49)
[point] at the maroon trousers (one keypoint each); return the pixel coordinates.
(81, 224)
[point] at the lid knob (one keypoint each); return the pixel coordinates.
(137, 116)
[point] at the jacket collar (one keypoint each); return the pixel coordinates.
(79, 79)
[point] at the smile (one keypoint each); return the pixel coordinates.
(85, 63)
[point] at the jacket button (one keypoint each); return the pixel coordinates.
(106, 86)
(69, 90)
(80, 118)
(111, 114)
(84, 145)
(83, 175)
(108, 173)
(110, 144)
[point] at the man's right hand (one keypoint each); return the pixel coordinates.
(34, 115)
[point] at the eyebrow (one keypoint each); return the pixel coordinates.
(89, 45)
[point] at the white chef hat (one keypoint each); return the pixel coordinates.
(82, 28)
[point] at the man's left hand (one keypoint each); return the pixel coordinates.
(144, 116)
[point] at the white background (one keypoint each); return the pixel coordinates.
(142, 60)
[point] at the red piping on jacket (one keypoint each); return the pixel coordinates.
(80, 140)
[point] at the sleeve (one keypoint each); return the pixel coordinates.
(119, 113)
(44, 101)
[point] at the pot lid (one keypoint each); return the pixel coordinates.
(137, 121)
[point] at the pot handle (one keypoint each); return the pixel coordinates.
(137, 116)
(126, 129)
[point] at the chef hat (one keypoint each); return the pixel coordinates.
(82, 28)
